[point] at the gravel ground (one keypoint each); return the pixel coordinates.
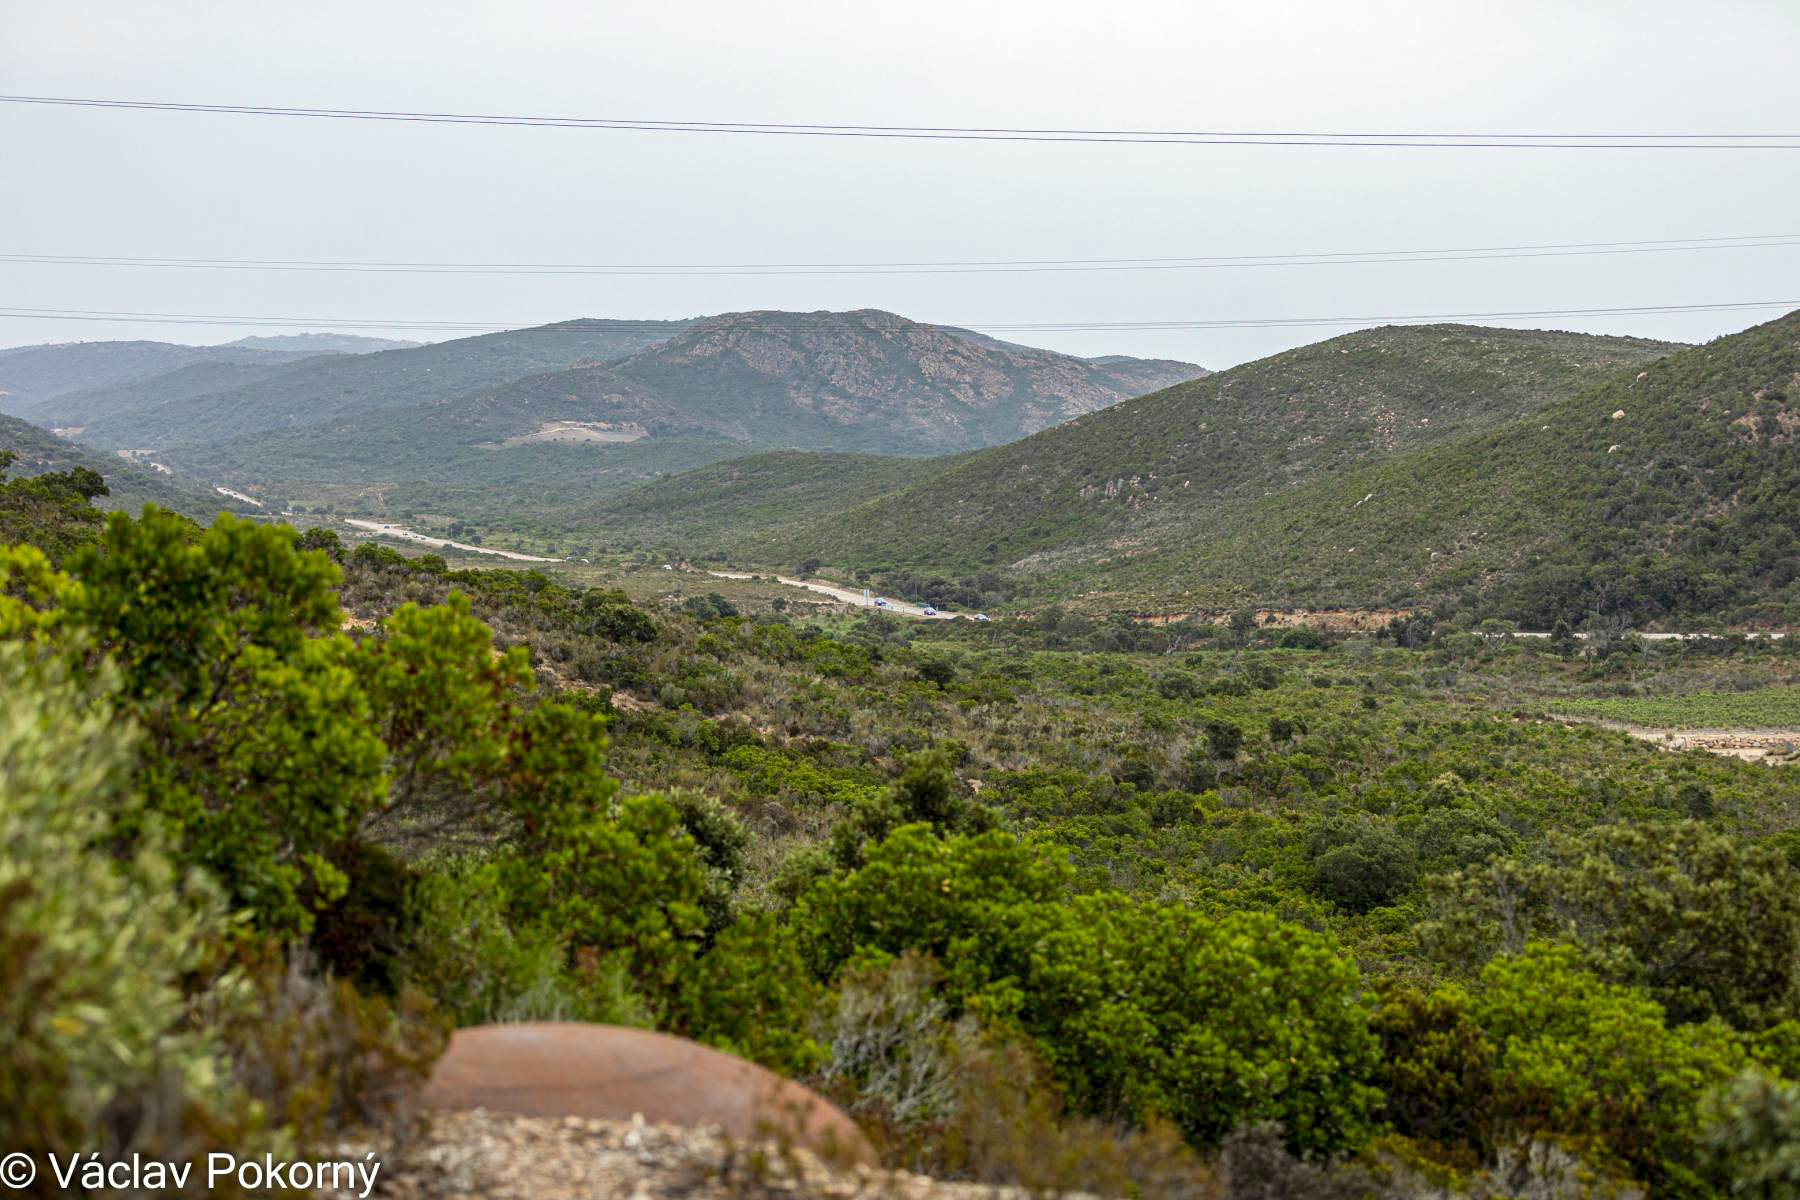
(469, 1155)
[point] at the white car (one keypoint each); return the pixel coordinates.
(930, 611)
(982, 617)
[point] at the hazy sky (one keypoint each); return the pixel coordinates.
(157, 184)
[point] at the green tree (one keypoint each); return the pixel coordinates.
(1705, 921)
(258, 743)
(443, 705)
(1752, 1129)
(1373, 868)
(96, 952)
(53, 511)
(1594, 1063)
(1139, 1009)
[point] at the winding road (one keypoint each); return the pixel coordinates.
(848, 596)
(383, 529)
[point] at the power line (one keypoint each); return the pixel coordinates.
(1011, 266)
(1476, 141)
(604, 326)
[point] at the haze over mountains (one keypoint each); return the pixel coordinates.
(1393, 465)
(596, 404)
(1168, 467)
(50, 384)
(338, 386)
(1535, 475)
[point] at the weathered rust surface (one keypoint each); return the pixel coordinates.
(608, 1072)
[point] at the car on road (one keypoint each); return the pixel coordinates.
(930, 611)
(982, 617)
(880, 603)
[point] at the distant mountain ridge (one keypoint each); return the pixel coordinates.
(685, 396)
(1172, 467)
(338, 387)
(76, 410)
(30, 375)
(1537, 477)
(322, 343)
(864, 381)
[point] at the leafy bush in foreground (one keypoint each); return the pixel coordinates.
(95, 1049)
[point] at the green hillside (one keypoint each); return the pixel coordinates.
(340, 387)
(1684, 506)
(774, 497)
(77, 409)
(130, 486)
(731, 385)
(30, 375)
(1149, 476)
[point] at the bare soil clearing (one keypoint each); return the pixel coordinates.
(1751, 745)
(1777, 747)
(1346, 620)
(602, 432)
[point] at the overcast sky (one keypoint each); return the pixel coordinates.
(158, 184)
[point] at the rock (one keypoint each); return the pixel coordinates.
(488, 1156)
(608, 1072)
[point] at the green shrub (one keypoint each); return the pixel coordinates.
(1707, 922)
(258, 745)
(1361, 866)
(1594, 1064)
(1139, 1009)
(484, 970)
(1752, 1131)
(750, 993)
(96, 1048)
(1436, 1072)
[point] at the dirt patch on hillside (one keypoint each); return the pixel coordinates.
(1777, 747)
(604, 432)
(1340, 620)
(1752, 745)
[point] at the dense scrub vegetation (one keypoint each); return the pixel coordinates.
(1147, 478)
(1767, 708)
(1665, 494)
(1526, 476)
(130, 486)
(1095, 895)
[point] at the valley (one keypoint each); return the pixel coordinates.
(782, 682)
(963, 602)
